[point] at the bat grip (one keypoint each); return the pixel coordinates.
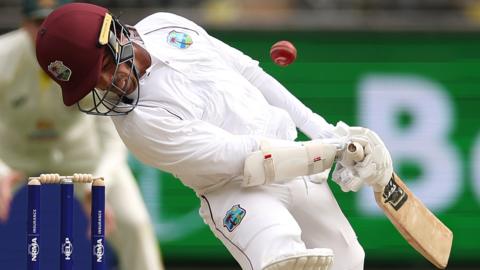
(355, 152)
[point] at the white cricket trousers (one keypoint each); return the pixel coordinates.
(260, 224)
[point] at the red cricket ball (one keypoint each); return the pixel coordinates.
(283, 53)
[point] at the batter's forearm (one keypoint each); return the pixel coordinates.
(278, 164)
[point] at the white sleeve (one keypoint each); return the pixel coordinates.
(233, 57)
(4, 169)
(185, 147)
(310, 123)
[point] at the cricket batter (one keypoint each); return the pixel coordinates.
(191, 105)
(39, 134)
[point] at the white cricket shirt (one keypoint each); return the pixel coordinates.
(199, 112)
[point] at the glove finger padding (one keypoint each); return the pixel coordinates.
(348, 160)
(376, 168)
(345, 177)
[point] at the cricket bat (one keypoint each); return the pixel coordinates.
(418, 225)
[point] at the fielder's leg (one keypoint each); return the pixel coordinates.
(133, 224)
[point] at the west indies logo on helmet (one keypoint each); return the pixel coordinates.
(60, 71)
(71, 46)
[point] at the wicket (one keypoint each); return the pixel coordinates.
(66, 219)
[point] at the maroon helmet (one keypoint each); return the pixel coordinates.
(70, 47)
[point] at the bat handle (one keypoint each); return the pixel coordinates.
(355, 152)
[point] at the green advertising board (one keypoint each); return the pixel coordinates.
(419, 91)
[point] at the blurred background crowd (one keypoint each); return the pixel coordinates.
(317, 14)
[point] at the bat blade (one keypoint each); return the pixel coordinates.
(420, 227)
